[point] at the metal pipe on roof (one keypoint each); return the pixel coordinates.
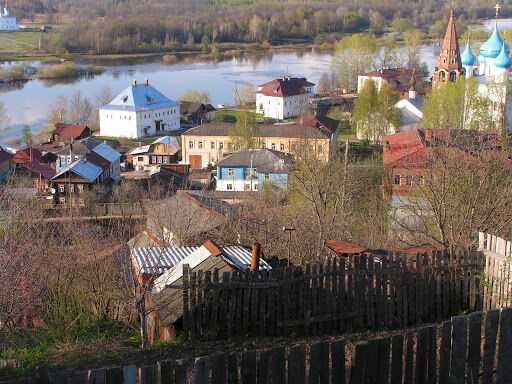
(255, 260)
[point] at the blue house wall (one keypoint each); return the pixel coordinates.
(280, 180)
(222, 173)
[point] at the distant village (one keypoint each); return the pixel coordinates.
(187, 150)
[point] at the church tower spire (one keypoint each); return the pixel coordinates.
(449, 65)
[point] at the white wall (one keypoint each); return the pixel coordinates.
(8, 24)
(119, 123)
(238, 185)
(282, 107)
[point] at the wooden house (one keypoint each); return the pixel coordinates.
(165, 288)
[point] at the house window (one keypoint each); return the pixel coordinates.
(421, 180)
(72, 188)
(166, 160)
(255, 187)
(408, 180)
(229, 187)
(212, 145)
(80, 188)
(221, 145)
(81, 202)
(273, 146)
(397, 180)
(247, 187)
(62, 188)
(153, 159)
(231, 171)
(140, 158)
(264, 145)
(294, 147)
(266, 176)
(159, 159)
(281, 147)
(191, 144)
(200, 145)
(320, 148)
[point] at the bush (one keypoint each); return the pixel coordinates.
(169, 59)
(66, 69)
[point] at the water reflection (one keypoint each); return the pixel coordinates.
(14, 86)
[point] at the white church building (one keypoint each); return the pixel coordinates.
(7, 22)
(492, 70)
(139, 111)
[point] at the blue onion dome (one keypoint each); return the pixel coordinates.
(492, 47)
(503, 60)
(467, 57)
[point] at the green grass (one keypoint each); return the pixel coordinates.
(347, 132)
(18, 42)
(38, 346)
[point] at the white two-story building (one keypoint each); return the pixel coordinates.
(140, 110)
(284, 98)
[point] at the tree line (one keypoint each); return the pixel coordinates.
(125, 26)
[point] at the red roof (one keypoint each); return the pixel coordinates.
(98, 160)
(27, 154)
(319, 122)
(69, 131)
(344, 248)
(40, 169)
(285, 87)
(388, 73)
(409, 147)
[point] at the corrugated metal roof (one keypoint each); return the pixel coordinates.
(87, 170)
(107, 152)
(158, 260)
(82, 168)
(139, 150)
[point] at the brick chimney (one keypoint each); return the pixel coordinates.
(255, 259)
(146, 82)
(134, 83)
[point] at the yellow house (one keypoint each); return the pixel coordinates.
(309, 136)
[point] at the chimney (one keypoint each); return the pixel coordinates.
(412, 93)
(284, 78)
(146, 82)
(134, 83)
(289, 77)
(255, 260)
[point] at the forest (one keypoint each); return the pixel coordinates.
(125, 26)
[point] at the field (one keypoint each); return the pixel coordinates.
(18, 45)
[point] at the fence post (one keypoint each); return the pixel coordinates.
(186, 315)
(202, 371)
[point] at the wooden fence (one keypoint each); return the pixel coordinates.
(468, 349)
(497, 283)
(364, 292)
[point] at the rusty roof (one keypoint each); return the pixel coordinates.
(69, 131)
(345, 248)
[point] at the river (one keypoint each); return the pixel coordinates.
(29, 102)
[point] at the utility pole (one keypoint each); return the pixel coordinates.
(289, 229)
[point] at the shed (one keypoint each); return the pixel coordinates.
(166, 295)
